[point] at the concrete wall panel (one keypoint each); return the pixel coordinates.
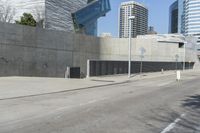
(28, 51)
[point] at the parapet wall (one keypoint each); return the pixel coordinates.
(28, 51)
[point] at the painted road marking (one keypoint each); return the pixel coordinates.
(172, 125)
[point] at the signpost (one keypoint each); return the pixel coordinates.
(189, 65)
(142, 51)
(176, 56)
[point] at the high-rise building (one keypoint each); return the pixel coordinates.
(188, 18)
(173, 18)
(151, 30)
(139, 24)
(192, 18)
(68, 15)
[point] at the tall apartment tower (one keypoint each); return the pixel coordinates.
(139, 24)
(187, 18)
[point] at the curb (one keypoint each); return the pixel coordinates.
(57, 92)
(85, 88)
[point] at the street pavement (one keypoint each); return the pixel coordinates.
(16, 87)
(157, 104)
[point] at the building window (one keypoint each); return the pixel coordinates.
(181, 45)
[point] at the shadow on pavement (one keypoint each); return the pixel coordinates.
(192, 102)
(187, 124)
(190, 123)
(192, 106)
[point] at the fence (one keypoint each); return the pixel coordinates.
(99, 68)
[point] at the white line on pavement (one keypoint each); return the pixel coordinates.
(172, 125)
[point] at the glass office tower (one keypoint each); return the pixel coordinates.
(188, 18)
(181, 16)
(192, 18)
(173, 18)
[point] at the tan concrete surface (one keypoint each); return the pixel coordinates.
(16, 87)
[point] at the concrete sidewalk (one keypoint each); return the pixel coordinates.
(19, 87)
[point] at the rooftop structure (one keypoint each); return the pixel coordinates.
(105, 34)
(151, 30)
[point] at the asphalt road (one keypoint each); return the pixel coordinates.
(157, 105)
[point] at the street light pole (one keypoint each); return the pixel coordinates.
(129, 50)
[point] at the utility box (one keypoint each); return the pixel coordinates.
(72, 72)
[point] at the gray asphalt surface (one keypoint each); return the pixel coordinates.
(157, 105)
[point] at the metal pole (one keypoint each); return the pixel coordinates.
(142, 51)
(129, 59)
(189, 65)
(176, 56)
(129, 50)
(184, 57)
(141, 67)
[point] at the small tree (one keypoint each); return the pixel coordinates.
(27, 19)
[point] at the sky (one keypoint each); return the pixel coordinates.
(158, 16)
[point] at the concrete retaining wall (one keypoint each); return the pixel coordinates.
(28, 51)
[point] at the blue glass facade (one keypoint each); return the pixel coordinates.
(181, 16)
(190, 18)
(173, 18)
(85, 19)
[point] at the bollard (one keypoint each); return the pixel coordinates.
(162, 71)
(88, 69)
(178, 75)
